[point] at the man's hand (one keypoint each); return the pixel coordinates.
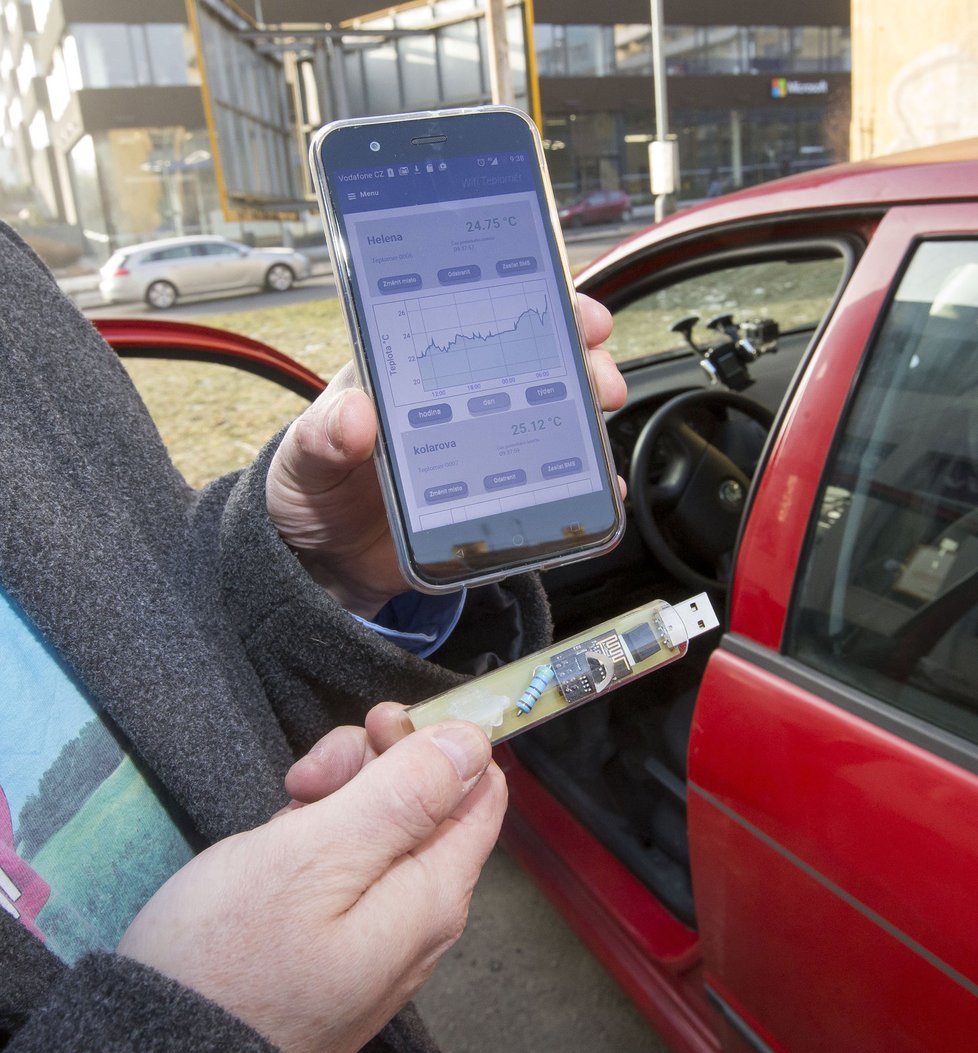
(323, 494)
(318, 926)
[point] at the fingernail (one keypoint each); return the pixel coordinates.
(334, 424)
(465, 747)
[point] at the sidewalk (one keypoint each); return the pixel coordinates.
(82, 288)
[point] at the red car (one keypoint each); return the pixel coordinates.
(773, 843)
(600, 206)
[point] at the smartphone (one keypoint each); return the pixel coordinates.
(492, 451)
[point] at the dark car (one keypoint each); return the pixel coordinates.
(772, 844)
(600, 206)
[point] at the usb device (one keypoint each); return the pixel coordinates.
(569, 673)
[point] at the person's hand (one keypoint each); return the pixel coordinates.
(324, 497)
(338, 756)
(318, 926)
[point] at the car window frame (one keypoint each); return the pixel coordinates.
(847, 246)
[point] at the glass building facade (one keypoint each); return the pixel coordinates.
(135, 122)
(626, 50)
(442, 62)
(747, 103)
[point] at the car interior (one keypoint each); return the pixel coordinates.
(709, 352)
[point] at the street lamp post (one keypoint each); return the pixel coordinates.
(663, 150)
(500, 78)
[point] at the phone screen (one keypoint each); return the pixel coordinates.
(471, 345)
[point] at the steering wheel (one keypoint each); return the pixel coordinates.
(700, 496)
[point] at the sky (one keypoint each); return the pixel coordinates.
(41, 706)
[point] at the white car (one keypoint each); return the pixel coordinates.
(160, 272)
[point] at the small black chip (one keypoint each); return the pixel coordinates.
(641, 642)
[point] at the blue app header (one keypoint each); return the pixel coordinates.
(439, 179)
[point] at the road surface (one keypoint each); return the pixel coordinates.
(582, 247)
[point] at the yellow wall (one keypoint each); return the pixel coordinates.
(914, 74)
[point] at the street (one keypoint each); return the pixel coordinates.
(582, 247)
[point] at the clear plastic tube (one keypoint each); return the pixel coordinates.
(574, 671)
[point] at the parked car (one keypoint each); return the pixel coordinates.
(773, 843)
(161, 272)
(600, 206)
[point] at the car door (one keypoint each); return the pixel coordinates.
(215, 396)
(600, 212)
(833, 766)
(224, 266)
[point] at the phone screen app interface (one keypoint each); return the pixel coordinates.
(468, 337)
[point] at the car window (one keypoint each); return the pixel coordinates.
(218, 248)
(176, 252)
(889, 598)
(795, 292)
(213, 419)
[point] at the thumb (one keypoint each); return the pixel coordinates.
(396, 802)
(326, 443)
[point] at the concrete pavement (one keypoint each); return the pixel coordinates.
(519, 980)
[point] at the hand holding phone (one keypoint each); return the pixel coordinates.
(323, 493)
(491, 449)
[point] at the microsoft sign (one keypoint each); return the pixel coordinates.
(782, 87)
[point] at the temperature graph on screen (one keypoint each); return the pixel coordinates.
(474, 336)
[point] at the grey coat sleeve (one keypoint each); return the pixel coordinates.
(234, 645)
(319, 666)
(111, 1004)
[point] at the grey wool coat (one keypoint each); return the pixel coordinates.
(194, 628)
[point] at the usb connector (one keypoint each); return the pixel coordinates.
(696, 615)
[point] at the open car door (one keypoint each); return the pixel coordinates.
(833, 764)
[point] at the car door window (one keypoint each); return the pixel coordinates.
(888, 598)
(178, 252)
(795, 292)
(213, 418)
(215, 248)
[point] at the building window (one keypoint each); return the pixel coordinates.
(40, 9)
(444, 65)
(719, 150)
(114, 55)
(626, 50)
(135, 184)
(26, 69)
(38, 132)
(59, 90)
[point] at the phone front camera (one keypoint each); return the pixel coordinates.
(375, 146)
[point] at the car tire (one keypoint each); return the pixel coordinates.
(161, 295)
(280, 278)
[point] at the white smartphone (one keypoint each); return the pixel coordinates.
(492, 451)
